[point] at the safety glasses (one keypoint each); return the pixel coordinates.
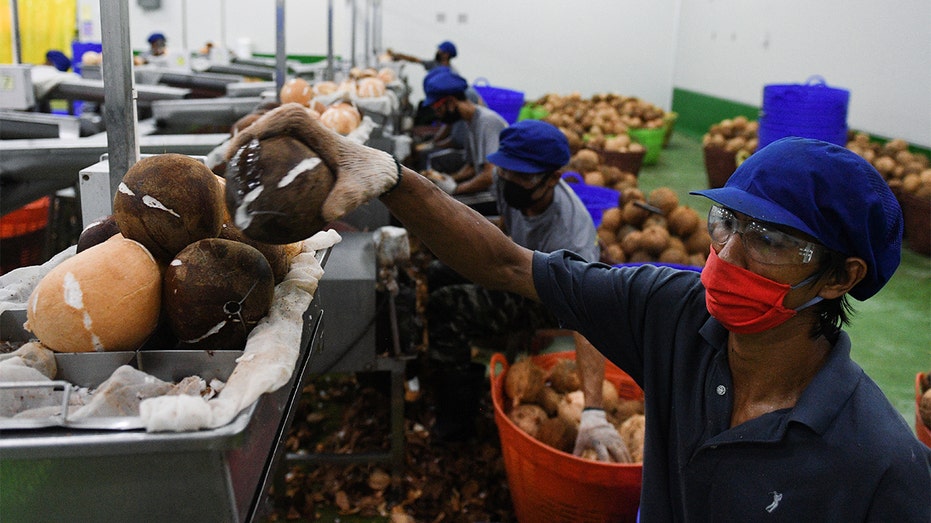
(524, 180)
(763, 243)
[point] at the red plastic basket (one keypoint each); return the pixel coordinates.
(553, 486)
(922, 430)
(23, 235)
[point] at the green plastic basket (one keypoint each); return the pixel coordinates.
(652, 141)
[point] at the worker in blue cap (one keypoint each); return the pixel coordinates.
(157, 53)
(446, 95)
(58, 60)
(445, 52)
(755, 409)
(539, 211)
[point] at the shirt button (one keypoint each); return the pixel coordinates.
(721, 390)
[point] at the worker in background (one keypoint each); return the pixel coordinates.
(755, 409)
(445, 52)
(157, 53)
(539, 211)
(446, 95)
(58, 60)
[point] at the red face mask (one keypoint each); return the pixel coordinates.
(743, 301)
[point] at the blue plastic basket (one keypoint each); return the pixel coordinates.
(661, 264)
(810, 110)
(596, 199)
(78, 49)
(505, 102)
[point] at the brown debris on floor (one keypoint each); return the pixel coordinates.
(449, 482)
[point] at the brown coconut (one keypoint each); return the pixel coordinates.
(683, 221)
(528, 417)
(215, 291)
(549, 400)
(924, 408)
(664, 198)
(105, 298)
(275, 189)
(564, 376)
(97, 232)
(166, 202)
(523, 381)
(279, 257)
(559, 433)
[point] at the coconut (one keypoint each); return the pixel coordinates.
(325, 87)
(655, 239)
(664, 198)
(275, 190)
(215, 292)
(104, 298)
(924, 408)
(296, 90)
(585, 160)
(571, 406)
(631, 432)
(166, 202)
(611, 218)
(614, 254)
(97, 232)
(278, 256)
(634, 214)
(370, 88)
(549, 400)
(342, 118)
(564, 376)
(698, 242)
(559, 433)
(523, 381)
(528, 418)
(609, 396)
(683, 221)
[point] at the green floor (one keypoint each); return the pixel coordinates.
(891, 331)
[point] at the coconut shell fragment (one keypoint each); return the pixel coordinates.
(215, 292)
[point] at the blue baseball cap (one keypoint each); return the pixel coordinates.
(59, 60)
(154, 37)
(441, 84)
(448, 48)
(530, 147)
(827, 192)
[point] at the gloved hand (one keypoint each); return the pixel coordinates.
(595, 432)
(362, 173)
(444, 181)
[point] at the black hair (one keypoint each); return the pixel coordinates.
(833, 314)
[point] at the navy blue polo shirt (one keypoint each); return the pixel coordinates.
(843, 453)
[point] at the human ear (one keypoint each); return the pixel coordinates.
(854, 272)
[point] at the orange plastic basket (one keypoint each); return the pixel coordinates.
(553, 486)
(23, 235)
(922, 430)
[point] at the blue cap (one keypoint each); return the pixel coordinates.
(59, 60)
(827, 192)
(154, 37)
(441, 84)
(530, 147)
(448, 48)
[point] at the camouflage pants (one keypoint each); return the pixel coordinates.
(458, 314)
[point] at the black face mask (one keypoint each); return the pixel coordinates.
(518, 197)
(450, 116)
(438, 57)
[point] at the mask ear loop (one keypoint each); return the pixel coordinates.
(808, 281)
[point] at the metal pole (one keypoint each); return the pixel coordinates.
(184, 42)
(352, 31)
(368, 25)
(14, 18)
(119, 108)
(329, 41)
(281, 68)
(376, 29)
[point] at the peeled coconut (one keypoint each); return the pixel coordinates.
(296, 90)
(275, 189)
(370, 88)
(342, 118)
(215, 292)
(166, 202)
(632, 432)
(564, 376)
(104, 298)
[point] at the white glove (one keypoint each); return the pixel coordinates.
(444, 181)
(595, 432)
(362, 173)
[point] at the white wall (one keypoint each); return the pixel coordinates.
(880, 51)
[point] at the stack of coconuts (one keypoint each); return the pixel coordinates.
(547, 405)
(653, 228)
(170, 263)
